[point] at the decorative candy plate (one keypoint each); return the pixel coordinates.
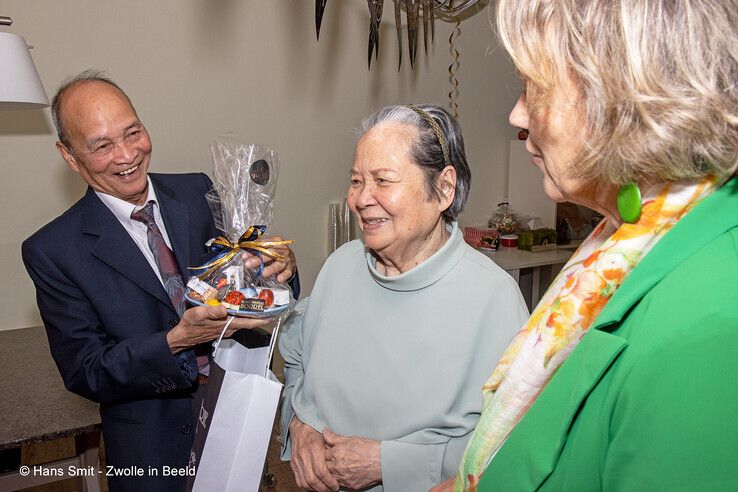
(267, 313)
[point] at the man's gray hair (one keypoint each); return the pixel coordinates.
(86, 76)
(427, 150)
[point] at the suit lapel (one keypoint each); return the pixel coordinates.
(177, 222)
(715, 215)
(536, 442)
(115, 248)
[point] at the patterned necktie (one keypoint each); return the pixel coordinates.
(163, 256)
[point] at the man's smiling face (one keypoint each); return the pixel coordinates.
(108, 145)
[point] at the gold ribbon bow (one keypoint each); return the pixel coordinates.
(244, 242)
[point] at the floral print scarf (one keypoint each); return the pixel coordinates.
(565, 313)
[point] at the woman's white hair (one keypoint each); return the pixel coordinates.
(657, 80)
(427, 151)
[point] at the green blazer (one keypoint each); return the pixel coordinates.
(649, 398)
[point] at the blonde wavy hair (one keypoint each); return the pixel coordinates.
(658, 80)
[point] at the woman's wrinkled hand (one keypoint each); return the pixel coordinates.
(308, 458)
(447, 486)
(284, 269)
(353, 461)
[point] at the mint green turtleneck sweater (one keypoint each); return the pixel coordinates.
(400, 359)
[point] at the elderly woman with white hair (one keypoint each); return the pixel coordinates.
(383, 360)
(624, 377)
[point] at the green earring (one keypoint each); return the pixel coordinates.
(629, 203)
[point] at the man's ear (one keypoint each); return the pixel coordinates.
(446, 186)
(68, 157)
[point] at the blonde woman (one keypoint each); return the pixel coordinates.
(624, 378)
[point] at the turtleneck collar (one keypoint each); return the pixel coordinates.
(429, 271)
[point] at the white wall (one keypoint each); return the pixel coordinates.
(197, 68)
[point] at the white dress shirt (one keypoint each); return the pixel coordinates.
(137, 230)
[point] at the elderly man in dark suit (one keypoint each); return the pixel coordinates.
(110, 274)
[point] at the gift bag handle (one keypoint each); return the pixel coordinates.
(272, 341)
(217, 343)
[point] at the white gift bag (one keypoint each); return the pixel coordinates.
(236, 418)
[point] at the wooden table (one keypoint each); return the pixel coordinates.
(518, 263)
(35, 407)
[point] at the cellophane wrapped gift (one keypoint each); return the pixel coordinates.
(504, 219)
(242, 202)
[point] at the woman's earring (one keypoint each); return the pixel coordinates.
(629, 202)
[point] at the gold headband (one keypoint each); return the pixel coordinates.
(436, 128)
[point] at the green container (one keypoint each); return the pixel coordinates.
(528, 240)
(525, 240)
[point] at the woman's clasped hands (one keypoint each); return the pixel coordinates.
(327, 461)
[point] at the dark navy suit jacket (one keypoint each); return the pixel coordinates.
(107, 315)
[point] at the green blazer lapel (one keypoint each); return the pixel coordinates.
(536, 442)
(715, 215)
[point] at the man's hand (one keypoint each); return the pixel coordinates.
(283, 269)
(308, 458)
(203, 324)
(354, 461)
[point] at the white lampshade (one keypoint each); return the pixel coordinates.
(20, 85)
